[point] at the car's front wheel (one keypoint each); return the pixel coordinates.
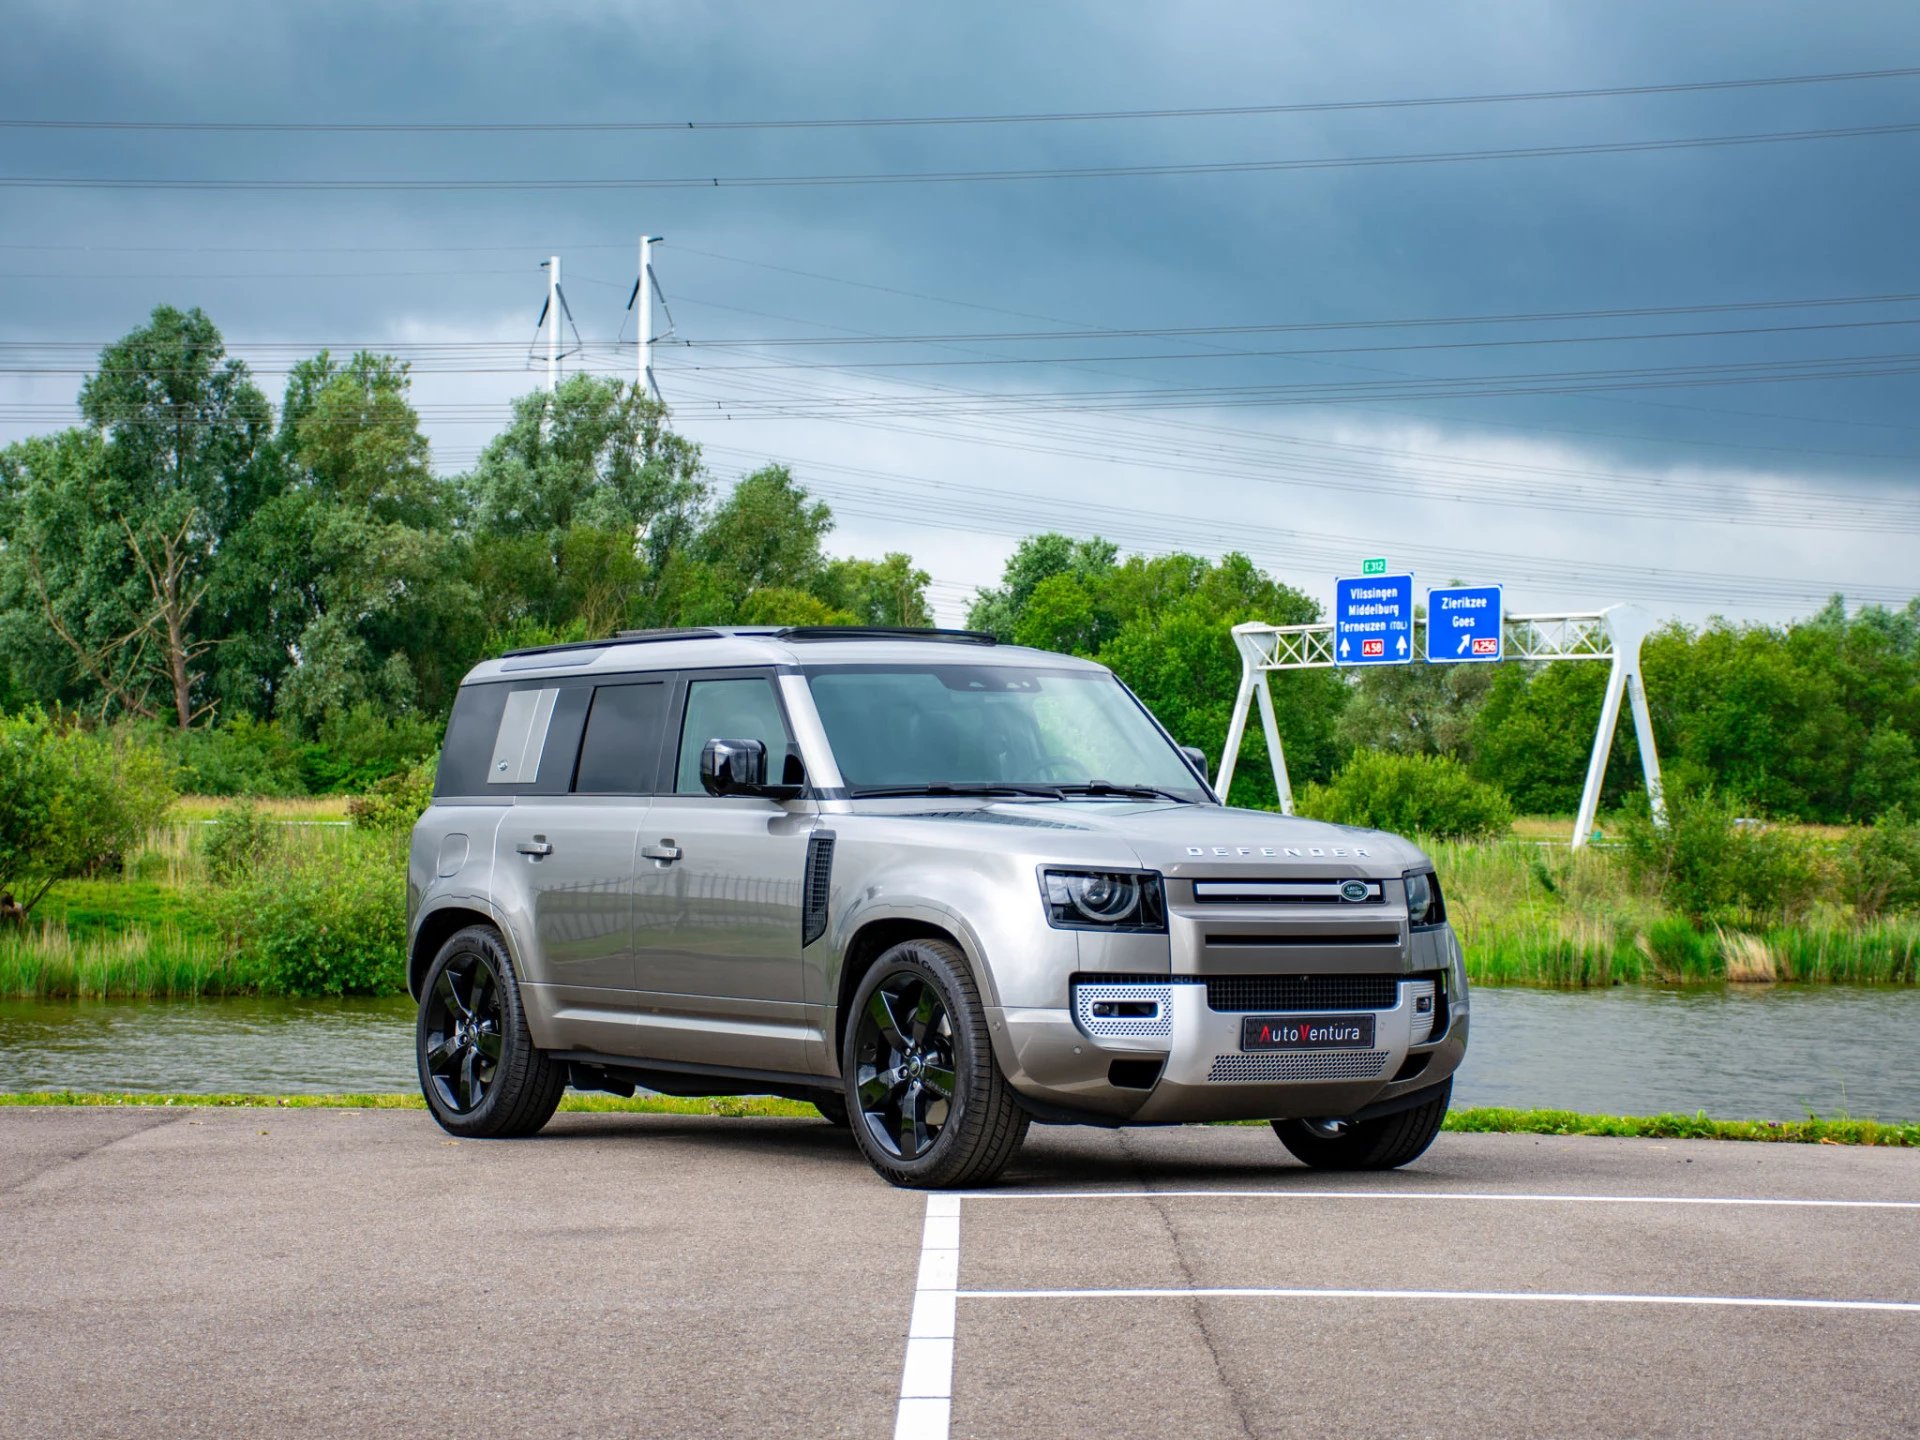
(1383, 1144)
(479, 1070)
(929, 1107)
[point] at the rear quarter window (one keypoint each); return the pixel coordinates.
(471, 730)
(531, 727)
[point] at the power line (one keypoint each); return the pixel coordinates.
(388, 127)
(952, 177)
(999, 361)
(1138, 332)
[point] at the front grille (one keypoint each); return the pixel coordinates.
(1245, 993)
(1305, 1065)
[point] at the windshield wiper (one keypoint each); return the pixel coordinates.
(1129, 792)
(944, 787)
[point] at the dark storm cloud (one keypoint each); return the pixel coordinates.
(1676, 227)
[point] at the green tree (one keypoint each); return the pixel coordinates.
(766, 535)
(1036, 559)
(889, 591)
(595, 457)
(117, 545)
(353, 582)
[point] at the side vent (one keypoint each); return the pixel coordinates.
(814, 887)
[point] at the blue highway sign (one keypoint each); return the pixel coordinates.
(1373, 620)
(1463, 624)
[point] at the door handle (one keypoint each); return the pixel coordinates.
(666, 852)
(536, 848)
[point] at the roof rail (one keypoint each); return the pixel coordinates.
(885, 632)
(624, 637)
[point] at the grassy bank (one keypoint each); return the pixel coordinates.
(1485, 1121)
(1533, 915)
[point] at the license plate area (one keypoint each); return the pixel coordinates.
(1306, 1032)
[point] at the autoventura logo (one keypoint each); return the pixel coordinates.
(1341, 1032)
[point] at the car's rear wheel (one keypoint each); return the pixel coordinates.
(479, 1070)
(1383, 1144)
(929, 1107)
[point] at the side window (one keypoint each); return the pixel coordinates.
(470, 733)
(728, 710)
(620, 754)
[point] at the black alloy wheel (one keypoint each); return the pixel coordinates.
(482, 1075)
(906, 1079)
(1385, 1143)
(928, 1104)
(464, 1018)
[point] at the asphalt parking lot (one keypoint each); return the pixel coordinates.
(210, 1272)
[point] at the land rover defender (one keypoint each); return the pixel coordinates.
(936, 886)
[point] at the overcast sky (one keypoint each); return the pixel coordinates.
(1746, 499)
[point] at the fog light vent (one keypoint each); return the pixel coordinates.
(1421, 1009)
(1123, 1010)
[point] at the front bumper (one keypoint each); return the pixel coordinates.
(1065, 1073)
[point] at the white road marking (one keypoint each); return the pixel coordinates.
(1491, 1195)
(1278, 1293)
(926, 1379)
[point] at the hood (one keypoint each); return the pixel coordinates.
(1202, 839)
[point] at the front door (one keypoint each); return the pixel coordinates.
(717, 900)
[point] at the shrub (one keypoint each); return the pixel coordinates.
(1412, 794)
(323, 921)
(1880, 866)
(395, 803)
(1710, 866)
(244, 756)
(357, 747)
(72, 801)
(237, 841)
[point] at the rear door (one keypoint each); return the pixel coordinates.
(567, 848)
(717, 895)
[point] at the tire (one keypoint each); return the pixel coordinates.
(833, 1109)
(479, 1070)
(1383, 1144)
(929, 1107)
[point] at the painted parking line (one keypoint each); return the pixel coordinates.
(926, 1383)
(1447, 1195)
(1758, 1302)
(926, 1378)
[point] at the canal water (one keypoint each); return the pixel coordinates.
(1772, 1053)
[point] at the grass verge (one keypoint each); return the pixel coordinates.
(1481, 1121)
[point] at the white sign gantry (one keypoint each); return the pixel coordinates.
(1614, 634)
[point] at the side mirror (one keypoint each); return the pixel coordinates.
(739, 767)
(1199, 758)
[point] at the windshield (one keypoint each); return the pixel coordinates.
(919, 727)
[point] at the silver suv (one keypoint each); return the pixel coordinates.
(936, 886)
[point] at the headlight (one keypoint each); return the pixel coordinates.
(1126, 900)
(1424, 906)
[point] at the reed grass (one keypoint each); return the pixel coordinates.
(165, 962)
(1536, 915)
